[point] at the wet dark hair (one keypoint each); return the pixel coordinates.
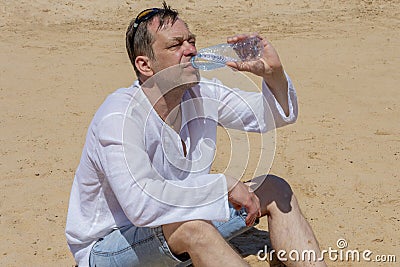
(139, 39)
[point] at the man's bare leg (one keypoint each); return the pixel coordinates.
(287, 226)
(203, 242)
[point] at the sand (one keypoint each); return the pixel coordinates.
(60, 59)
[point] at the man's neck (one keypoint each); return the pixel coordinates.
(166, 105)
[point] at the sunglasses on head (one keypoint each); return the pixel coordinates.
(143, 16)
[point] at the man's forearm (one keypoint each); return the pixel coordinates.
(278, 84)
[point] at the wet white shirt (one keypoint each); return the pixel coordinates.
(133, 169)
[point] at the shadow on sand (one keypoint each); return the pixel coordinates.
(251, 242)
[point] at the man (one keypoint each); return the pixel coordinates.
(143, 195)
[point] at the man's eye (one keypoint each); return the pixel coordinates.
(175, 45)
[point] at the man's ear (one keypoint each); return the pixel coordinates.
(144, 66)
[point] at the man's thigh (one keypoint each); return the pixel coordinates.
(143, 246)
(132, 246)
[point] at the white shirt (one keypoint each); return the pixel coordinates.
(133, 169)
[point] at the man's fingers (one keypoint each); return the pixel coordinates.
(238, 37)
(240, 65)
(252, 215)
(242, 196)
(253, 210)
(250, 220)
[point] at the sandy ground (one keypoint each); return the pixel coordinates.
(60, 59)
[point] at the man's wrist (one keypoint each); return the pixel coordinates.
(276, 80)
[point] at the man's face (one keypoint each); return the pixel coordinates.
(174, 45)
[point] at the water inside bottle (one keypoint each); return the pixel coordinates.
(249, 49)
(206, 63)
(214, 57)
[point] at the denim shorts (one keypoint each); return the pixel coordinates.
(142, 246)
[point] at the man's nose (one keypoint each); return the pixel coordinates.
(189, 49)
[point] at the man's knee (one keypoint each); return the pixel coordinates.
(184, 236)
(197, 229)
(275, 195)
(281, 187)
(283, 194)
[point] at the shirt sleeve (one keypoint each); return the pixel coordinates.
(254, 111)
(146, 197)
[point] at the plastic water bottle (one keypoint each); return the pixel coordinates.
(214, 57)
